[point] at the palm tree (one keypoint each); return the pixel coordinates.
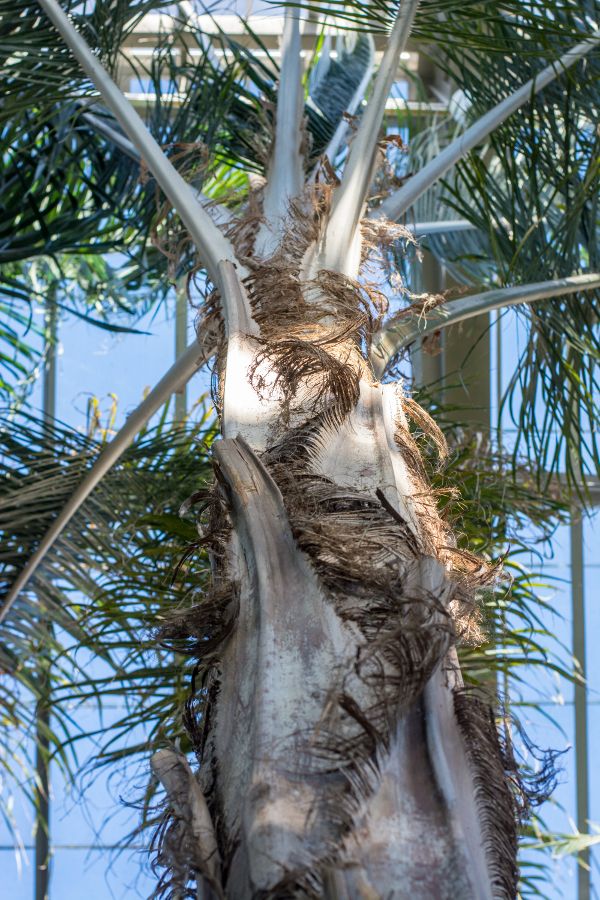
(341, 753)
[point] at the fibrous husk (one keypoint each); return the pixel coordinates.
(396, 597)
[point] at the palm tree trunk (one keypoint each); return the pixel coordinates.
(340, 754)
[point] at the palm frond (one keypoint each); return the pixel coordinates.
(411, 325)
(63, 192)
(71, 195)
(37, 69)
(211, 243)
(80, 486)
(400, 201)
(535, 211)
(336, 88)
(66, 202)
(474, 24)
(227, 105)
(339, 242)
(105, 586)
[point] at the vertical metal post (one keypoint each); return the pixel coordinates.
(505, 697)
(181, 318)
(467, 373)
(44, 702)
(581, 725)
(468, 387)
(499, 384)
(181, 313)
(49, 379)
(42, 788)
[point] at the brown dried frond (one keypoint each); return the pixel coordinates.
(338, 304)
(243, 229)
(304, 221)
(368, 563)
(326, 172)
(172, 853)
(199, 629)
(432, 344)
(419, 305)
(275, 296)
(422, 493)
(396, 666)
(274, 287)
(380, 233)
(325, 367)
(347, 297)
(362, 553)
(306, 216)
(278, 297)
(494, 795)
(430, 429)
(210, 327)
(393, 140)
(469, 573)
(379, 236)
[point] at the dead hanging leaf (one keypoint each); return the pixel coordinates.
(351, 120)
(168, 235)
(327, 169)
(394, 140)
(432, 343)
(195, 153)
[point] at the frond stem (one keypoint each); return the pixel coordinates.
(350, 197)
(392, 340)
(401, 200)
(211, 243)
(178, 375)
(285, 172)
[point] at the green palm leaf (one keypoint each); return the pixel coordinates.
(104, 588)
